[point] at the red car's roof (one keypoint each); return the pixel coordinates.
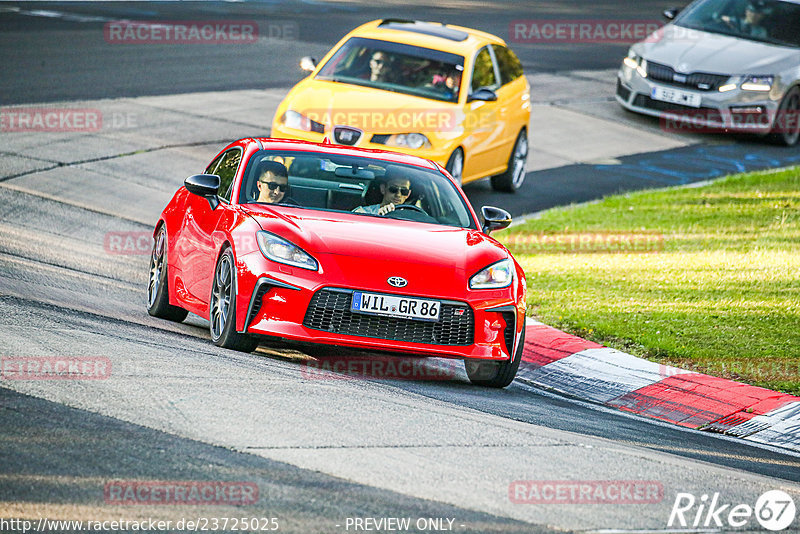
(324, 148)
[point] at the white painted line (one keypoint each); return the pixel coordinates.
(779, 427)
(600, 374)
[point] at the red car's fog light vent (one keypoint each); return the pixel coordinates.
(330, 311)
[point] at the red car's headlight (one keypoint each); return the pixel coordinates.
(495, 276)
(280, 250)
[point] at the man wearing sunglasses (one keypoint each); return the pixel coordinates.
(273, 181)
(395, 191)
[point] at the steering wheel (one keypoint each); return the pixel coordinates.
(409, 207)
(725, 22)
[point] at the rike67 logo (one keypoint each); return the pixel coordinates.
(774, 510)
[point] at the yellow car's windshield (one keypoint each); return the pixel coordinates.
(396, 67)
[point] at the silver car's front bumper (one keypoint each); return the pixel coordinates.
(735, 110)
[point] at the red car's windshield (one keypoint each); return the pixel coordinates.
(353, 184)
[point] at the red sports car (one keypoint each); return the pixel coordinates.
(318, 243)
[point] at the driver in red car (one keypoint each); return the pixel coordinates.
(395, 191)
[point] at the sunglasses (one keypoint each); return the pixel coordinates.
(275, 185)
(393, 189)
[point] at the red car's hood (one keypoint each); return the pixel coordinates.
(361, 251)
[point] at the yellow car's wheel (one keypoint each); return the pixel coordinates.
(455, 165)
(512, 179)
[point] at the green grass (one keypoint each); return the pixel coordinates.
(720, 295)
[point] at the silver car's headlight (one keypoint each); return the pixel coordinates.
(757, 83)
(495, 276)
(280, 250)
(631, 60)
(636, 62)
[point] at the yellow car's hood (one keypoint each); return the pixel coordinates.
(369, 109)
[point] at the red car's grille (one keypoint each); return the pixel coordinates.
(330, 311)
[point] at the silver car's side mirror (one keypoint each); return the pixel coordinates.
(671, 13)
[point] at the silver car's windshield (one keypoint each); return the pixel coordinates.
(358, 185)
(396, 67)
(768, 21)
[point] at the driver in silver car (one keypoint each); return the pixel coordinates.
(752, 23)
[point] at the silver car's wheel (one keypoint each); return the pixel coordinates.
(455, 165)
(786, 130)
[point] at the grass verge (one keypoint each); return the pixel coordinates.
(704, 278)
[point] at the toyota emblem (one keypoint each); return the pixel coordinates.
(397, 281)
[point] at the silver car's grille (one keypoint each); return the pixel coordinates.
(702, 81)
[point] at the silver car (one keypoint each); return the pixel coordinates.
(720, 65)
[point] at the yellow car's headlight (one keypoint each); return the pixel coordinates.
(408, 140)
(298, 121)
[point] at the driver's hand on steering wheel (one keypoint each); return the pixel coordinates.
(383, 210)
(728, 20)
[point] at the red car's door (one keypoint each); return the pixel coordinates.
(199, 248)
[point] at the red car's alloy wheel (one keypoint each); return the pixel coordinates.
(222, 313)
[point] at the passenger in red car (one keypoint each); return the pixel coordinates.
(273, 181)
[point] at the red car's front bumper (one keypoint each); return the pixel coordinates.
(485, 325)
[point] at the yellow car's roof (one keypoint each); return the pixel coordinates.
(447, 38)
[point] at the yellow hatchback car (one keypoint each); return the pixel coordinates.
(450, 94)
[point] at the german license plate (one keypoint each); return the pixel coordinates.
(396, 306)
(675, 96)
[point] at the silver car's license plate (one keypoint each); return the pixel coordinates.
(675, 96)
(396, 306)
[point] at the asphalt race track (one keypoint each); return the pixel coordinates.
(323, 454)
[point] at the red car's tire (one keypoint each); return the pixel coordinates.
(222, 308)
(157, 289)
(495, 374)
